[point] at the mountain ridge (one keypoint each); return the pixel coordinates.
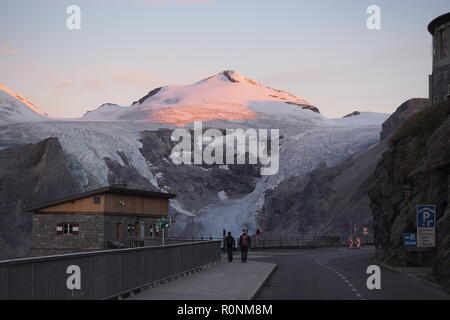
(16, 108)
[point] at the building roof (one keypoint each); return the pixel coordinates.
(438, 21)
(111, 189)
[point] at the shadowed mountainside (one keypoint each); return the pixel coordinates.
(331, 200)
(418, 161)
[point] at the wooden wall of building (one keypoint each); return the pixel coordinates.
(114, 203)
(117, 203)
(84, 205)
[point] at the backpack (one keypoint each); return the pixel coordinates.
(229, 241)
(244, 241)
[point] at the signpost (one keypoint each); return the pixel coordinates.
(426, 226)
(163, 223)
(410, 239)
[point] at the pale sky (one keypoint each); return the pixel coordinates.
(320, 50)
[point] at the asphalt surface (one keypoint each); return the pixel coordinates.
(337, 274)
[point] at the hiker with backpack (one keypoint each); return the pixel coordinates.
(229, 245)
(244, 244)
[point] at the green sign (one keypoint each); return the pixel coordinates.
(163, 223)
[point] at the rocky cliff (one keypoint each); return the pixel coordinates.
(406, 110)
(415, 170)
(29, 174)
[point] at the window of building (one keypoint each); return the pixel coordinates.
(97, 200)
(435, 48)
(67, 228)
(443, 43)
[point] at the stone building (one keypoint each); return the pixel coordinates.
(439, 80)
(106, 218)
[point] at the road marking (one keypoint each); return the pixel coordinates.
(349, 284)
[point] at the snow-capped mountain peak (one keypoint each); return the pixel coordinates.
(235, 76)
(228, 95)
(16, 108)
(21, 99)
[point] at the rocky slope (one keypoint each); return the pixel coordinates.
(406, 110)
(330, 200)
(29, 174)
(327, 201)
(415, 170)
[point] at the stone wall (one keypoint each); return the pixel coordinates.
(46, 240)
(440, 85)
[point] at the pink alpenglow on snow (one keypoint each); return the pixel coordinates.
(15, 108)
(226, 96)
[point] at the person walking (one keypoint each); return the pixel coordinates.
(229, 245)
(244, 244)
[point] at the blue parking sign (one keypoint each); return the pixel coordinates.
(410, 239)
(426, 216)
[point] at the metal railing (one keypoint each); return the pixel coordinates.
(103, 274)
(294, 242)
(260, 242)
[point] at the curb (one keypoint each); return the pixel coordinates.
(263, 282)
(411, 275)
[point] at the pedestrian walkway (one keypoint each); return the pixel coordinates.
(224, 281)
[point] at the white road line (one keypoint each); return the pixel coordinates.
(350, 285)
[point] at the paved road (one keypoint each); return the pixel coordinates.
(338, 274)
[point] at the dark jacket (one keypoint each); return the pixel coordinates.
(249, 241)
(229, 242)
